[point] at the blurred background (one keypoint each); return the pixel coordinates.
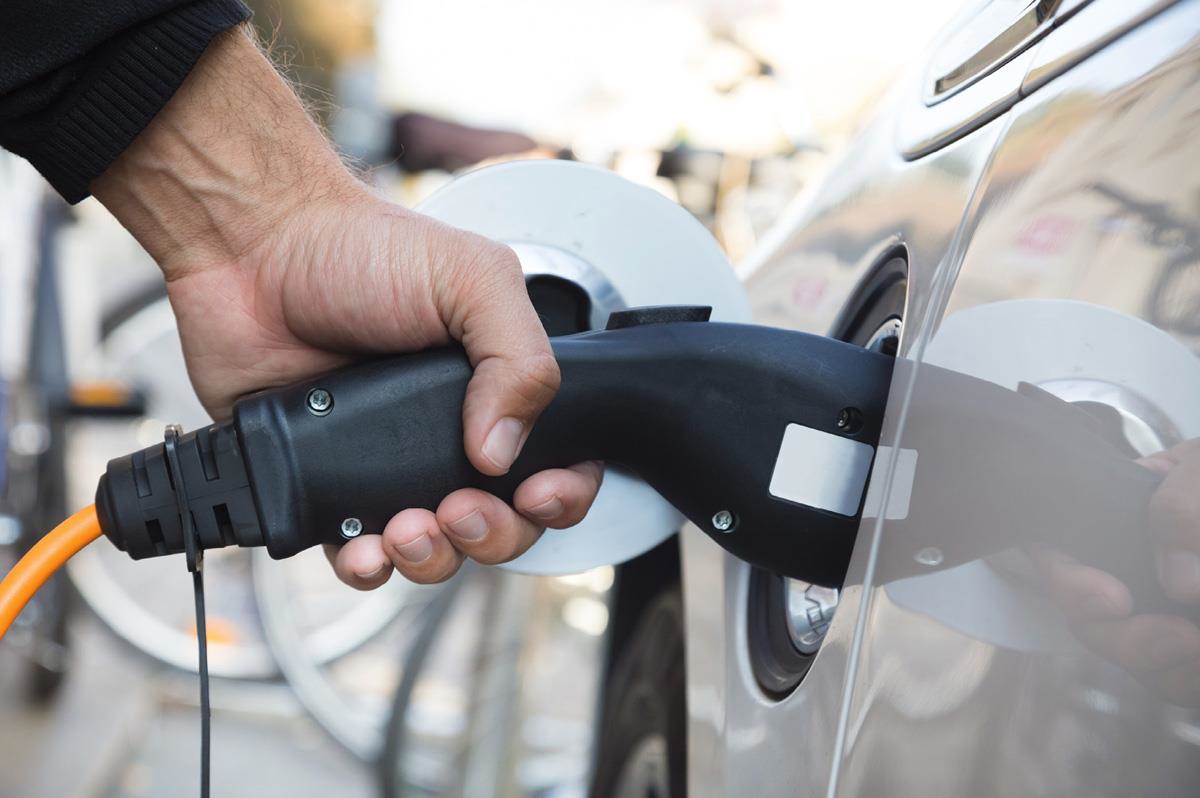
(485, 686)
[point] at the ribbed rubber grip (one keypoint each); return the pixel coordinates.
(137, 505)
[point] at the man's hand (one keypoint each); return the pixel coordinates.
(281, 265)
(1163, 651)
(1175, 520)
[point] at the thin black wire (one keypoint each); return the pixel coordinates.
(195, 564)
(205, 708)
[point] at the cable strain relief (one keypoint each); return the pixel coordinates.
(138, 509)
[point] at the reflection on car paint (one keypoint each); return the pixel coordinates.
(978, 679)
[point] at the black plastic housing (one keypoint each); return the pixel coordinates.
(696, 409)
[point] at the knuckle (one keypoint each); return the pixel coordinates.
(487, 262)
(503, 259)
(1175, 512)
(466, 259)
(540, 373)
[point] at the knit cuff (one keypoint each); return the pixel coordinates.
(99, 122)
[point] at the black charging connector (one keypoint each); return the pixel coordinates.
(699, 410)
(763, 438)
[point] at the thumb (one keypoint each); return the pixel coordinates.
(487, 308)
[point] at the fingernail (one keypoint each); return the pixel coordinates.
(503, 442)
(547, 510)
(471, 526)
(417, 550)
(371, 574)
(1181, 572)
(1171, 651)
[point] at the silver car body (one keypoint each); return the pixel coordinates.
(1067, 170)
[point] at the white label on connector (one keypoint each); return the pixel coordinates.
(822, 470)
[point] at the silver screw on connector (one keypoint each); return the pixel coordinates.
(849, 420)
(320, 401)
(351, 528)
(723, 521)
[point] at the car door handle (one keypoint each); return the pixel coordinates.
(999, 31)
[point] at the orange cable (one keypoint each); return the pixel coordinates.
(42, 560)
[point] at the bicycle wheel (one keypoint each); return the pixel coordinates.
(38, 492)
(499, 689)
(460, 683)
(337, 647)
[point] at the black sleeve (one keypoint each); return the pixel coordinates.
(79, 79)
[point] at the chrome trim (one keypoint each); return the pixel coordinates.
(541, 259)
(887, 338)
(962, 59)
(1079, 29)
(925, 129)
(810, 610)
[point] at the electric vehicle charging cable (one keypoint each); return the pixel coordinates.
(42, 560)
(51, 553)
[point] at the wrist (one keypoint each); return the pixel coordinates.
(223, 165)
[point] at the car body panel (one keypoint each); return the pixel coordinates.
(1086, 190)
(800, 281)
(1035, 713)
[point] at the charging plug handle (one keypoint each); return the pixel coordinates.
(697, 409)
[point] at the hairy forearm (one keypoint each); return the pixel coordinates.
(225, 160)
